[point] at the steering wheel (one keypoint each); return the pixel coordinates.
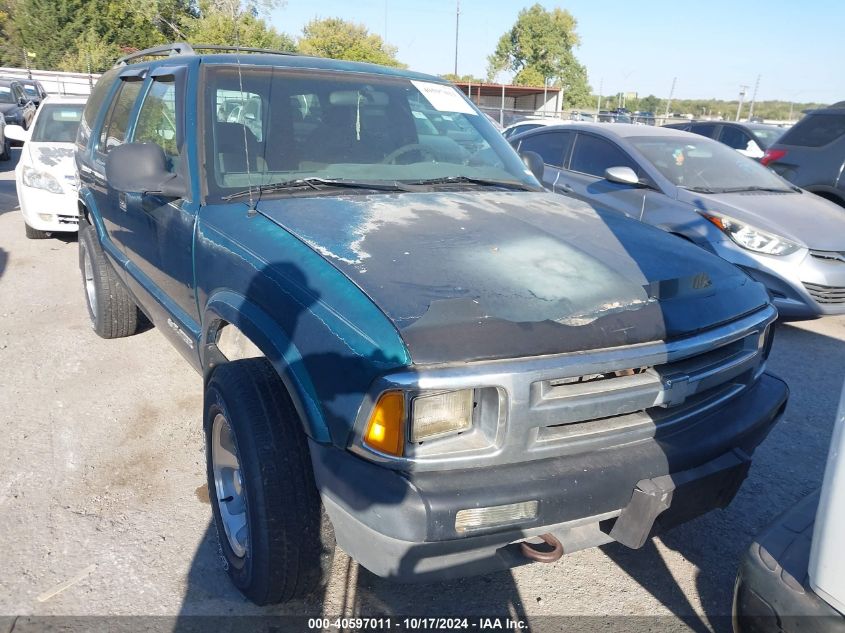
(407, 149)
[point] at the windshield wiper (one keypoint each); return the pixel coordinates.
(699, 189)
(755, 188)
(458, 180)
(317, 184)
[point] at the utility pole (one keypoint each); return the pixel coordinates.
(671, 94)
(753, 98)
(743, 89)
(457, 30)
(598, 105)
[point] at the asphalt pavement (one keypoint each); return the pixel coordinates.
(103, 507)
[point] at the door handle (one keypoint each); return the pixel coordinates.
(566, 188)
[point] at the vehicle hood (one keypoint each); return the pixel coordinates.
(55, 158)
(7, 107)
(484, 275)
(801, 217)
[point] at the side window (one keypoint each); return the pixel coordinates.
(593, 155)
(94, 106)
(705, 129)
(19, 94)
(157, 121)
(552, 146)
(117, 120)
(734, 137)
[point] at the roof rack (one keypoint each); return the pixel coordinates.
(183, 48)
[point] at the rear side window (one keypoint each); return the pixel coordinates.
(93, 107)
(594, 155)
(117, 120)
(552, 146)
(157, 121)
(734, 137)
(705, 129)
(815, 130)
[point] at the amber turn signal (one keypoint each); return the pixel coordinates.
(386, 427)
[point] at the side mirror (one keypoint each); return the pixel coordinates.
(142, 168)
(622, 175)
(22, 101)
(535, 164)
(16, 133)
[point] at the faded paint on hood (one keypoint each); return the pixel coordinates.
(801, 217)
(475, 275)
(57, 158)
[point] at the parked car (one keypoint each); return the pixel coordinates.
(15, 106)
(577, 115)
(45, 176)
(393, 342)
(811, 154)
(791, 578)
(34, 90)
(529, 124)
(749, 139)
(614, 116)
(788, 239)
(5, 142)
(644, 118)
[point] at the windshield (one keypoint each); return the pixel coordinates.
(269, 125)
(57, 123)
(31, 90)
(6, 95)
(705, 165)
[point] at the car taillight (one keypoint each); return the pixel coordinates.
(772, 155)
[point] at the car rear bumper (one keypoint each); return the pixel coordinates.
(402, 525)
(772, 591)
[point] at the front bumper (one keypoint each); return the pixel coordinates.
(796, 281)
(773, 592)
(402, 525)
(47, 211)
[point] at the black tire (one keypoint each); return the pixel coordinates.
(111, 309)
(7, 150)
(290, 542)
(35, 234)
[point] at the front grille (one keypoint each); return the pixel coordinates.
(68, 219)
(830, 256)
(828, 295)
(659, 394)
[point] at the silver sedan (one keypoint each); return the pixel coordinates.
(790, 240)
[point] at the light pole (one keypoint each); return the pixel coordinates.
(457, 29)
(742, 91)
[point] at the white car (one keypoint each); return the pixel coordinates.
(46, 175)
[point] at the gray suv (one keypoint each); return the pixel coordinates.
(812, 153)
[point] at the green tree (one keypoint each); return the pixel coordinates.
(339, 39)
(538, 49)
(472, 79)
(247, 29)
(649, 104)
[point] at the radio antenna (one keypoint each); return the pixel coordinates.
(251, 212)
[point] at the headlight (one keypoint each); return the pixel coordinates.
(431, 415)
(441, 414)
(40, 180)
(753, 238)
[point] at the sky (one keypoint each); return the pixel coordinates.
(712, 47)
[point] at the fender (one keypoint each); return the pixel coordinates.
(276, 346)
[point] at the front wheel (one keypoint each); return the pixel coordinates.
(111, 309)
(274, 533)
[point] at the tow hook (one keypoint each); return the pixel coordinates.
(530, 551)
